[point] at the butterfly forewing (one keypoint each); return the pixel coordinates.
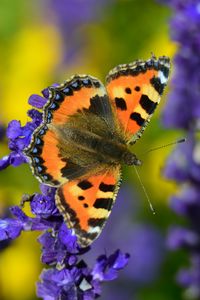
(77, 99)
(134, 91)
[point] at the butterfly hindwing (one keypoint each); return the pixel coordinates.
(43, 153)
(134, 91)
(86, 204)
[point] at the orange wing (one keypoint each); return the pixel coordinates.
(44, 156)
(80, 93)
(134, 90)
(86, 204)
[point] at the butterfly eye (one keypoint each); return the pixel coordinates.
(131, 159)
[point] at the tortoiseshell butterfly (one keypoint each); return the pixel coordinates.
(84, 137)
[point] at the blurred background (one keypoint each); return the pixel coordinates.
(42, 42)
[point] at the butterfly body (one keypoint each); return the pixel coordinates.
(85, 136)
(89, 147)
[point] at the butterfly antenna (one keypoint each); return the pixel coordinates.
(183, 140)
(137, 173)
(145, 192)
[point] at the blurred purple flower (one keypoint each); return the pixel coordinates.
(181, 165)
(183, 107)
(71, 16)
(183, 111)
(78, 281)
(182, 237)
(190, 278)
(147, 249)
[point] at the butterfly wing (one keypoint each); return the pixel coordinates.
(134, 91)
(79, 95)
(86, 204)
(44, 157)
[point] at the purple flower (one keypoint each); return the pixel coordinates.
(43, 204)
(54, 251)
(68, 239)
(183, 164)
(184, 98)
(37, 100)
(183, 111)
(78, 281)
(190, 278)
(107, 268)
(57, 284)
(10, 229)
(5, 229)
(20, 136)
(182, 237)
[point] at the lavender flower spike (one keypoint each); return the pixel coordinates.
(20, 136)
(183, 111)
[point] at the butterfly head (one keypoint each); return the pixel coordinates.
(131, 159)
